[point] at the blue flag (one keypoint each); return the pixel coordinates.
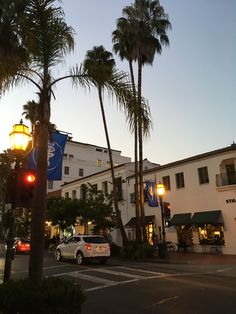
(151, 194)
(55, 156)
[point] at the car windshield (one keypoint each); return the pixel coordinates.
(95, 240)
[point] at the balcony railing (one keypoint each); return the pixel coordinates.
(224, 179)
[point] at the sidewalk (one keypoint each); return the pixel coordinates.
(198, 258)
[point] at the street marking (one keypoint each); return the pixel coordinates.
(223, 269)
(142, 271)
(118, 273)
(93, 278)
(167, 299)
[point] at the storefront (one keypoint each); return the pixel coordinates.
(210, 227)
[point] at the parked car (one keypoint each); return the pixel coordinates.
(83, 247)
(22, 245)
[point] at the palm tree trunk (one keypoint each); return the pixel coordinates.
(39, 209)
(137, 211)
(140, 136)
(118, 213)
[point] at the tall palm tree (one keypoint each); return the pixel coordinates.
(100, 66)
(147, 24)
(46, 39)
(123, 46)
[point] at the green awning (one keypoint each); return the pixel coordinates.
(213, 217)
(180, 219)
(132, 221)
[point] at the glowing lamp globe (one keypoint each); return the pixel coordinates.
(19, 137)
(160, 189)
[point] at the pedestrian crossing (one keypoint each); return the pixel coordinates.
(99, 278)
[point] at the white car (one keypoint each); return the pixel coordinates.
(82, 247)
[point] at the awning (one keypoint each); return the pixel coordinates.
(213, 217)
(180, 219)
(132, 221)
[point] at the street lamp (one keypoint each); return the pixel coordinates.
(19, 138)
(163, 252)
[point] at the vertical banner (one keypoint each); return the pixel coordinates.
(151, 194)
(55, 156)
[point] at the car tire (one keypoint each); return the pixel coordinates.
(79, 258)
(58, 255)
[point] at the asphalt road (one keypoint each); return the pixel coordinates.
(143, 287)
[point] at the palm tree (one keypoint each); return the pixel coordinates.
(46, 40)
(12, 52)
(146, 23)
(123, 46)
(100, 66)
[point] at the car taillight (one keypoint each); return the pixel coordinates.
(88, 246)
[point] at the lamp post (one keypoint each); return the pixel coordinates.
(163, 252)
(19, 138)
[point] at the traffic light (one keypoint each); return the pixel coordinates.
(167, 213)
(11, 187)
(25, 184)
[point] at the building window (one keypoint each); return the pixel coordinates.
(211, 234)
(64, 156)
(50, 185)
(81, 172)
(119, 188)
(108, 165)
(166, 182)
(203, 175)
(67, 195)
(73, 194)
(132, 198)
(99, 163)
(179, 177)
(83, 191)
(66, 170)
(105, 187)
(71, 156)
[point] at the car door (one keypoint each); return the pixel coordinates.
(70, 247)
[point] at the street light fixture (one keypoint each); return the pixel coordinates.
(163, 252)
(19, 138)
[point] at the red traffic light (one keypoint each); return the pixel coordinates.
(30, 178)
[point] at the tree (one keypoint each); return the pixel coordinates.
(146, 24)
(94, 206)
(100, 210)
(46, 38)
(62, 212)
(100, 67)
(41, 31)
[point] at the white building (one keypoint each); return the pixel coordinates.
(103, 182)
(81, 159)
(201, 191)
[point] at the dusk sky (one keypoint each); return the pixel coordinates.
(191, 87)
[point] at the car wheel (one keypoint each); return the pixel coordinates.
(79, 258)
(58, 255)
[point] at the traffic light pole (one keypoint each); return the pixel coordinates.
(10, 251)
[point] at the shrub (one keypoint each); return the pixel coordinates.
(53, 296)
(115, 249)
(137, 250)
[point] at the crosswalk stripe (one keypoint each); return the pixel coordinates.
(92, 278)
(118, 273)
(142, 271)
